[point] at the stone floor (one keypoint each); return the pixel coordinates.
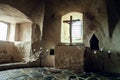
(46, 73)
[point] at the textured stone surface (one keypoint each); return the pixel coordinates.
(94, 20)
(12, 15)
(69, 57)
(97, 18)
(23, 31)
(24, 48)
(45, 73)
(18, 12)
(9, 53)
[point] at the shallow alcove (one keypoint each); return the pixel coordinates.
(17, 43)
(14, 19)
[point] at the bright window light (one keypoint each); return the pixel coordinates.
(3, 31)
(72, 28)
(76, 31)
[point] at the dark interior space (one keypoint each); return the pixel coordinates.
(94, 43)
(113, 12)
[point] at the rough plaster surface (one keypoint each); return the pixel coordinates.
(70, 57)
(94, 20)
(9, 53)
(24, 49)
(12, 15)
(24, 31)
(11, 7)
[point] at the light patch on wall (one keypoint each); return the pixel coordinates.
(12, 32)
(3, 31)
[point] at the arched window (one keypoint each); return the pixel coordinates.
(72, 28)
(3, 31)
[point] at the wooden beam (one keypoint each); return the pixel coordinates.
(70, 30)
(70, 22)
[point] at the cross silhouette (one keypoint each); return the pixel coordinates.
(70, 22)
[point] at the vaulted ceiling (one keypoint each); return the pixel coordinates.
(12, 15)
(112, 7)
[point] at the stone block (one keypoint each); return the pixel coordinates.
(70, 57)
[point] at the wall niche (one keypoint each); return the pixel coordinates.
(94, 43)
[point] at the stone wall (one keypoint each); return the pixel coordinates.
(12, 52)
(94, 20)
(9, 53)
(34, 11)
(24, 48)
(23, 31)
(70, 57)
(97, 18)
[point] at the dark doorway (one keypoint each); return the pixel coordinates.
(94, 43)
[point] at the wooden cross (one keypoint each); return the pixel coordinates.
(70, 22)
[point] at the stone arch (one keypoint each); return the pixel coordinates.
(19, 30)
(12, 15)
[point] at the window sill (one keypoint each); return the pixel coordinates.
(73, 44)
